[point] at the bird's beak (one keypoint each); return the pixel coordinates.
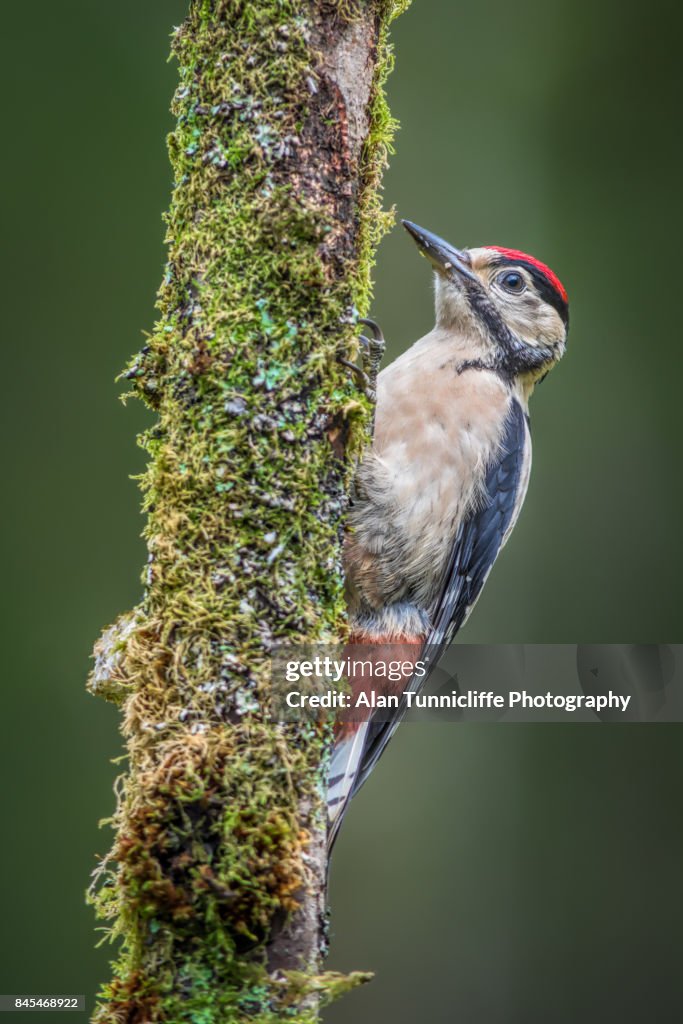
(441, 255)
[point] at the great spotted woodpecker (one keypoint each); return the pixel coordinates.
(437, 495)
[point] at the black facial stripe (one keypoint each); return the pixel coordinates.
(487, 313)
(511, 356)
(543, 286)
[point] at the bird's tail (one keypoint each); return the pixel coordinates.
(344, 767)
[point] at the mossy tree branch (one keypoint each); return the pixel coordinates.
(216, 879)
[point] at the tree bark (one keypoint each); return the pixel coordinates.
(216, 879)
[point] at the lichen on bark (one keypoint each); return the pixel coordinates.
(215, 882)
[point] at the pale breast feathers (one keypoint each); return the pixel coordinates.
(436, 433)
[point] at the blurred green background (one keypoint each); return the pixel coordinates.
(486, 873)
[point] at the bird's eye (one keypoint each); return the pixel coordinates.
(512, 281)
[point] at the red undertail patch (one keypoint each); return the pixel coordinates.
(378, 668)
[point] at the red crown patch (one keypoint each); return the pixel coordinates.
(552, 278)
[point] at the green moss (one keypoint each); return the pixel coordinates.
(245, 494)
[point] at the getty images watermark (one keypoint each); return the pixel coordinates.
(480, 682)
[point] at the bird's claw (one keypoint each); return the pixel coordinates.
(357, 370)
(374, 327)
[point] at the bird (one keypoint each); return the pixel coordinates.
(438, 492)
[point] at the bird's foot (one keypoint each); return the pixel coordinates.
(373, 350)
(371, 357)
